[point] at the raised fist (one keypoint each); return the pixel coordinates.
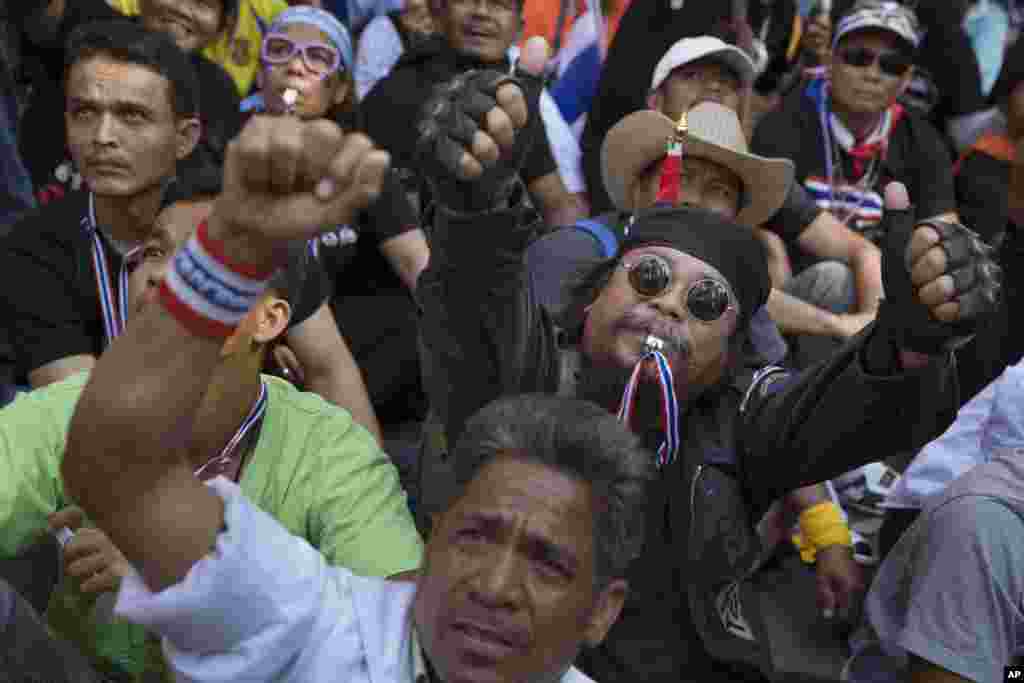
(287, 179)
(940, 280)
(471, 142)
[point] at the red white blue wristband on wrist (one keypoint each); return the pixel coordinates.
(207, 292)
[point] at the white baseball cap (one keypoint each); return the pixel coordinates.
(689, 50)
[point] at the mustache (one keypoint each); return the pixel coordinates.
(643, 319)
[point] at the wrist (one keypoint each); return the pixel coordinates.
(240, 248)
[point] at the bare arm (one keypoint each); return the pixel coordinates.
(330, 369)
(795, 316)
(60, 369)
(555, 202)
(827, 238)
(283, 180)
(408, 255)
(778, 260)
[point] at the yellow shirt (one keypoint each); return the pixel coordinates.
(238, 54)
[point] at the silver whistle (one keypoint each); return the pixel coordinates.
(652, 343)
(290, 97)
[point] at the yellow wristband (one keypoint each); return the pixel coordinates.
(821, 525)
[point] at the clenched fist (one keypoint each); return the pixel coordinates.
(940, 280)
(471, 145)
(286, 179)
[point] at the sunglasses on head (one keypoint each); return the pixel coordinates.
(891, 63)
(650, 275)
(319, 57)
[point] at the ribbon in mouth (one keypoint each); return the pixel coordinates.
(653, 347)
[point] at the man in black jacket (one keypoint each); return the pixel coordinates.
(654, 333)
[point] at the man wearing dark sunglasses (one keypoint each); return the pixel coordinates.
(654, 332)
(848, 135)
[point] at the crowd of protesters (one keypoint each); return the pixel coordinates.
(371, 340)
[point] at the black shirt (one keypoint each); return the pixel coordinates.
(392, 109)
(51, 306)
(42, 137)
(916, 157)
(350, 254)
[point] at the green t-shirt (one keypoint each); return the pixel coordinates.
(313, 469)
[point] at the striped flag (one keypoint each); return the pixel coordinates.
(579, 65)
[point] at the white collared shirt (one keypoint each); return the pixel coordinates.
(264, 605)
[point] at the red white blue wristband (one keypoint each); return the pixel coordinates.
(207, 292)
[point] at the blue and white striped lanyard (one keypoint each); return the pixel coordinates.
(669, 404)
(251, 420)
(114, 308)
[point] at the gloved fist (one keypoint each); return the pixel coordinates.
(471, 138)
(940, 281)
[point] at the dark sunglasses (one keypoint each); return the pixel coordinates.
(650, 275)
(891, 63)
(320, 58)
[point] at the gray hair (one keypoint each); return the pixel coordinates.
(582, 440)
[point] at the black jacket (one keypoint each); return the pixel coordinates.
(486, 335)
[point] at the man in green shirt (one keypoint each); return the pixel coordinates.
(299, 458)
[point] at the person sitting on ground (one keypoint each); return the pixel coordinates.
(945, 604)
(834, 299)
(132, 116)
(655, 334)
(303, 461)
(475, 35)
(191, 24)
(373, 263)
(526, 568)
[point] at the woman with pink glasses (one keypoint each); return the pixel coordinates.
(307, 71)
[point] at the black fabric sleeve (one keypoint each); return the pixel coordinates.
(831, 418)
(484, 332)
(316, 287)
(931, 183)
(982, 191)
(391, 214)
(43, 308)
(220, 109)
(390, 114)
(779, 135)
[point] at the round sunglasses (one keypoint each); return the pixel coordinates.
(891, 63)
(650, 275)
(319, 57)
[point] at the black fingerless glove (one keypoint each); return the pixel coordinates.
(906, 322)
(450, 118)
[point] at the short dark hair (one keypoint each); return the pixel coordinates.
(126, 40)
(582, 440)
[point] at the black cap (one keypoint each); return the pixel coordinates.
(730, 248)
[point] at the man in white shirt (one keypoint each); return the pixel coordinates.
(523, 570)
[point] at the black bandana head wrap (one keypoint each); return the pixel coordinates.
(730, 248)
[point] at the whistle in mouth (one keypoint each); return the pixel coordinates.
(290, 97)
(652, 343)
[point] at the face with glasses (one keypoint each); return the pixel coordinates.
(662, 291)
(704, 80)
(301, 57)
(869, 71)
(484, 29)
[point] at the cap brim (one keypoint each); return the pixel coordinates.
(730, 55)
(639, 140)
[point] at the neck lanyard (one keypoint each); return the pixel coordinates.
(254, 417)
(669, 404)
(114, 308)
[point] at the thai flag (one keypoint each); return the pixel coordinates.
(579, 65)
